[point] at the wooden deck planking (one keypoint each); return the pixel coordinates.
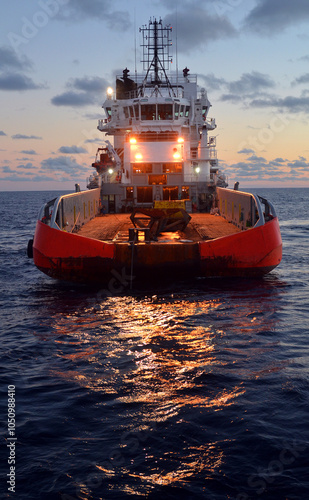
(201, 227)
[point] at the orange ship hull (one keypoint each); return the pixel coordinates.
(72, 257)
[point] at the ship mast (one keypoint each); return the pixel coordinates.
(156, 44)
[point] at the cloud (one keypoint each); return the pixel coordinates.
(251, 90)
(100, 10)
(247, 86)
(289, 103)
(11, 76)
(304, 58)
(212, 82)
(301, 79)
(7, 170)
(251, 82)
(255, 158)
(232, 97)
(88, 84)
(23, 136)
(72, 150)
(259, 169)
(17, 81)
(74, 99)
(28, 152)
(2, 133)
(279, 160)
(10, 60)
(90, 141)
(245, 151)
(299, 164)
(83, 92)
(270, 17)
(63, 164)
(196, 27)
(28, 166)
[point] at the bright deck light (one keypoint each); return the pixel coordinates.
(180, 140)
(110, 171)
(133, 140)
(110, 91)
(138, 156)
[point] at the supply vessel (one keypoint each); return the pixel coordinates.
(157, 204)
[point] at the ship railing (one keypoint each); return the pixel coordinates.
(269, 211)
(244, 210)
(71, 211)
(46, 211)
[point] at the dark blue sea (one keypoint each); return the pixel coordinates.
(196, 390)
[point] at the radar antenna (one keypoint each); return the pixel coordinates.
(156, 44)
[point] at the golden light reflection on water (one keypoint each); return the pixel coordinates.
(161, 359)
(159, 347)
(203, 459)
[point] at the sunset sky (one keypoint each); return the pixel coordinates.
(57, 57)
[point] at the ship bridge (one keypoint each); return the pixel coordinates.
(159, 124)
(156, 111)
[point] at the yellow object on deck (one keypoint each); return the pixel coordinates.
(170, 204)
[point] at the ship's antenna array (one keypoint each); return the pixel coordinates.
(156, 44)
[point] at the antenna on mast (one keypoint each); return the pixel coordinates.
(177, 48)
(156, 44)
(135, 68)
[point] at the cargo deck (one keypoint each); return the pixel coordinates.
(115, 227)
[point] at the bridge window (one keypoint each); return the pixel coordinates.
(165, 111)
(148, 112)
(136, 109)
(176, 111)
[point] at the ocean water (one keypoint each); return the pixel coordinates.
(196, 390)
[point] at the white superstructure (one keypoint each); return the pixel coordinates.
(159, 124)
